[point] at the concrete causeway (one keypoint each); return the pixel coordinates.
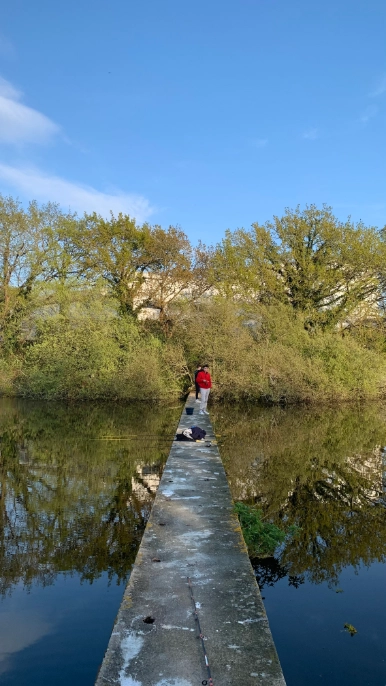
(192, 533)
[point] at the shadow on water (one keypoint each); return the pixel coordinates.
(76, 489)
(323, 471)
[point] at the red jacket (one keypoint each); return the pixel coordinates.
(203, 379)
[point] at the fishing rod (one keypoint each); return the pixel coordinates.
(130, 437)
(134, 436)
(201, 636)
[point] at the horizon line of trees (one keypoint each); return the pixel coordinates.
(57, 267)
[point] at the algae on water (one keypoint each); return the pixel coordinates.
(351, 629)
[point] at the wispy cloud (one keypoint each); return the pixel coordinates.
(311, 134)
(259, 142)
(369, 113)
(19, 123)
(18, 631)
(380, 89)
(78, 197)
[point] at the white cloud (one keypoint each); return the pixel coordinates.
(19, 123)
(18, 631)
(380, 89)
(369, 113)
(80, 198)
(259, 142)
(22, 124)
(311, 134)
(7, 90)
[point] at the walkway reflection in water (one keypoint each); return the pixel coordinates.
(76, 488)
(323, 471)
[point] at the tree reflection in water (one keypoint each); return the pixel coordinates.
(70, 500)
(269, 570)
(322, 470)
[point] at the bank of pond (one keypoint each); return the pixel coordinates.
(77, 485)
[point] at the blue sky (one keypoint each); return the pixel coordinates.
(210, 115)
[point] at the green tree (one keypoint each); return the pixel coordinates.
(32, 249)
(117, 250)
(330, 271)
(21, 259)
(144, 266)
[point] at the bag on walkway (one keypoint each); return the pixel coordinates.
(186, 435)
(198, 434)
(193, 434)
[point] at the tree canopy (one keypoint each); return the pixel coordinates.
(330, 271)
(90, 304)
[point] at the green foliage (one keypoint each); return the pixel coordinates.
(117, 251)
(32, 249)
(142, 265)
(286, 312)
(9, 373)
(323, 268)
(264, 353)
(96, 357)
(262, 538)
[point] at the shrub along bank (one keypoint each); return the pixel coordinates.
(291, 311)
(261, 354)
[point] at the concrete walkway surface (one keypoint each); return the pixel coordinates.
(192, 534)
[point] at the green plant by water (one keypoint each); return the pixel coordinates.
(262, 538)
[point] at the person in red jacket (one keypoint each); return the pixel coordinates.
(205, 383)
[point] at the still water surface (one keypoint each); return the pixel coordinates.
(76, 488)
(325, 472)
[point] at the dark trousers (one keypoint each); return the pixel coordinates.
(197, 389)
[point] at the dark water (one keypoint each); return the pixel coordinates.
(325, 472)
(74, 502)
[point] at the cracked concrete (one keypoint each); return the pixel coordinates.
(192, 532)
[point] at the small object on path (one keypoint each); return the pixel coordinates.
(156, 559)
(149, 620)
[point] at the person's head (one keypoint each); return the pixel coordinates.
(205, 367)
(199, 366)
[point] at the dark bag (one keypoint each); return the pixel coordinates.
(181, 437)
(197, 433)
